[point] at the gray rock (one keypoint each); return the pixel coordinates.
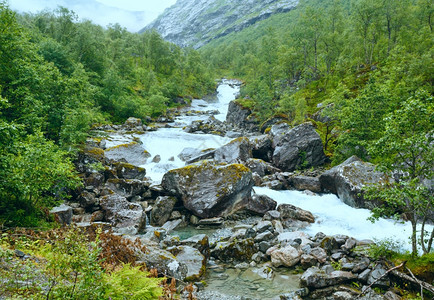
(262, 147)
(341, 295)
(210, 190)
(133, 124)
(162, 210)
(169, 226)
(242, 250)
(300, 147)
(236, 151)
(132, 153)
(308, 261)
(164, 262)
(87, 199)
(62, 214)
(349, 244)
(263, 226)
(200, 242)
(211, 221)
(264, 236)
(288, 211)
(121, 213)
(286, 256)
(377, 273)
(194, 260)
(261, 204)
(319, 254)
(241, 117)
(188, 153)
(315, 278)
(389, 295)
(349, 178)
(363, 277)
(362, 265)
(129, 171)
(127, 188)
(94, 179)
(302, 183)
(260, 167)
(271, 215)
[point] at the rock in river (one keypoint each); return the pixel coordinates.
(209, 190)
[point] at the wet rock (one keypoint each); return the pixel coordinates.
(169, 226)
(287, 256)
(132, 153)
(377, 273)
(277, 133)
(204, 154)
(165, 263)
(62, 214)
(300, 147)
(210, 190)
(129, 171)
(162, 210)
(200, 242)
(288, 211)
(241, 117)
(87, 199)
(262, 147)
(276, 185)
(121, 213)
(271, 215)
(302, 183)
(260, 167)
(349, 178)
(242, 250)
(194, 260)
(156, 159)
(315, 278)
(188, 153)
(236, 151)
(127, 188)
(261, 204)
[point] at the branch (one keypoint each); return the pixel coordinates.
(379, 278)
(423, 284)
(414, 277)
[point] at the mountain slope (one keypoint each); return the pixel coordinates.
(197, 22)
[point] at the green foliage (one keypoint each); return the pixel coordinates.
(132, 283)
(64, 264)
(384, 249)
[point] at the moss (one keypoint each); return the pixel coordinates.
(97, 153)
(267, 130)
(122, 146)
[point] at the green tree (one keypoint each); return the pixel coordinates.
(405, 149)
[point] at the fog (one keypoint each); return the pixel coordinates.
(132, 14)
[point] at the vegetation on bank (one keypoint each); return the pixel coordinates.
(362, 73)
(58, 76)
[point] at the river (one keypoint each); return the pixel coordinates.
(332, 215)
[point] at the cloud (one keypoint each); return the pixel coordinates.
(95, 11)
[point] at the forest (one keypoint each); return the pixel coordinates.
(360, 71)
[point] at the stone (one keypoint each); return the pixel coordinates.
(169, 226)
(277, 133)
(236, 151)
(127, 188)
(300, 147)
(389, 295)
(261, 204)
(363, 277)
(350, 243)
(210, 190)
(308, 261)
(62, 214)
(291, 236)
(264, 236)
(94, 179)
(121, 213)
(377, 273)
(162, 210)
(194, 260)
(329, 244)
(288, 211)
(315, 278)
(200, 242)
(156, 159)
(287, 256)
(132, 153)
(271, 215)
(362, 265)
(342, 295)
(302, 183)
(241, 117)
(188, 153)
(87, 199)
(263, 226)
(264, 246)
(260, 167)
(129, 171)
(262, 147)
(242, 250)
(164, 262)
(174, 215)
(133, 123)
(319, 254)
(348, 179)
(211, 221)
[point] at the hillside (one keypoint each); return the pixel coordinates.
(197, 22)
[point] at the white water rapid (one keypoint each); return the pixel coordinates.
(332, 215)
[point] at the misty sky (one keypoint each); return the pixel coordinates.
(132, 14)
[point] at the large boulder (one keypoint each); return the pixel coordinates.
(302, 183)
(123, 214)
(241, 117)
(193, 259)
(316, 278)
(240, 250)
(127, 188)
(300, 147)
(209, 190)
(162, 209)
(129, 171)
(236, 151)
(262, 147)
(287, 256)
(132, 153)
(164, 262)
(288, 211)
(348, 179)
(260, 204)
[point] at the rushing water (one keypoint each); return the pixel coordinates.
(332, 215)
